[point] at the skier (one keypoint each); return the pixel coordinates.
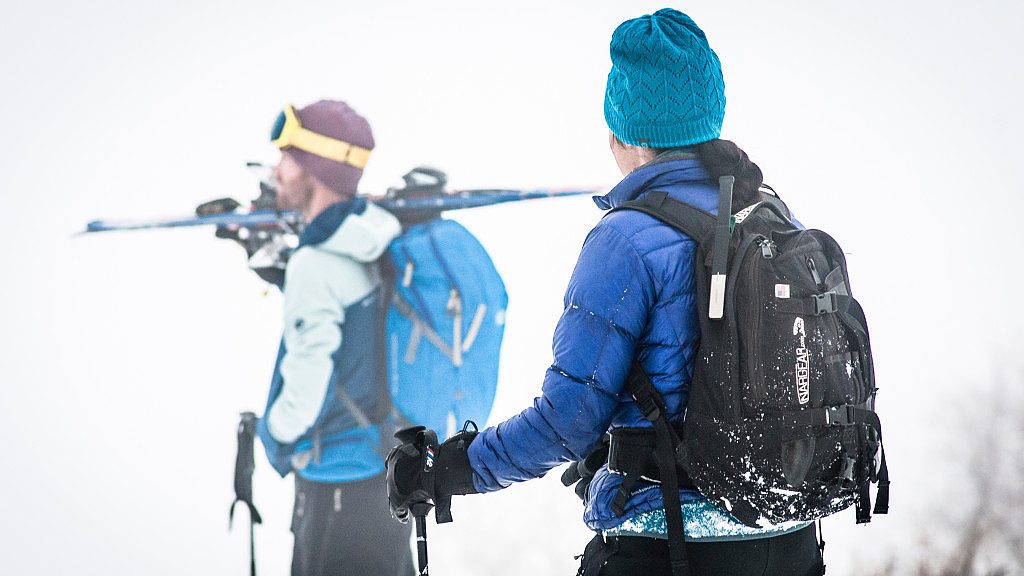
(325, 390)
(631, 298)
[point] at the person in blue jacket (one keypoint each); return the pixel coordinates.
(325, 396)
(630, 297)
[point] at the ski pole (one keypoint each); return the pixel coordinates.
(244, 466)
(423, 439)
(419, 512)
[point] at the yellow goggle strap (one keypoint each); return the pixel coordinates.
(293, 134)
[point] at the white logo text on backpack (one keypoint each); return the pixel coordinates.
(803, 380)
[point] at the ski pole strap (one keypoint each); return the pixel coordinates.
(652, 405)
(245, 464)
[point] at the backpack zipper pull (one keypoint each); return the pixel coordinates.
(814, 271)
(766, 249)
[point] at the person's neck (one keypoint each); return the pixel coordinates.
(629, 157)
(320, 201)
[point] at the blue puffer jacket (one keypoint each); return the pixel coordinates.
(631, 295)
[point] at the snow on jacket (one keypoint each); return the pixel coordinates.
(327, 356)
(631, 295)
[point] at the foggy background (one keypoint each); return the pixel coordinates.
(125, 358)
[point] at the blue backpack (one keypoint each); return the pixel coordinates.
(444, 326)
(445, 315)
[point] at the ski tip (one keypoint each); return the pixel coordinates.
(94, 226)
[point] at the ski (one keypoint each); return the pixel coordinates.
(253, 219)
(270, 235)
(402, 208)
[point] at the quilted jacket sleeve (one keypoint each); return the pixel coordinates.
(605, 315)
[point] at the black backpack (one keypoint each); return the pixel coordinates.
(780, 424)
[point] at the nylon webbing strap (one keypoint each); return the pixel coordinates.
(361, 418)
(652, 406)
(851, 415)
(405, 309)
(882, 497)
(815, 305)
(845, 415)
(690, 220)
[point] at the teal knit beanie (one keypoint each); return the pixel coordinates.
(665, 88)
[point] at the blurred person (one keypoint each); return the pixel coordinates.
(325, 400)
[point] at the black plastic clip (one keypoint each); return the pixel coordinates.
(839, 415)
(649, 407)
(826, 303)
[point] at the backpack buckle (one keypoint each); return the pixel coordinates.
(839, 415)
(826, 303)
(649, 408)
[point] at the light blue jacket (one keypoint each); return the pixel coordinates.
(327, 361)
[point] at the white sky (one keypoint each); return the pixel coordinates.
(125, 358)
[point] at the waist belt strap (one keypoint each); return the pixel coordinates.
(631, 454)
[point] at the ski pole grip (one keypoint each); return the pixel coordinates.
(409, 435)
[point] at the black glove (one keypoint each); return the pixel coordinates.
(582, 472)
(421, 473)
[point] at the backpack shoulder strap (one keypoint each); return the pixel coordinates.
(702, 227)
(690, 220)
(652, 406)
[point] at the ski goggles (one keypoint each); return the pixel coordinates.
(288, 131)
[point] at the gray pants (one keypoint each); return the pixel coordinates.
(346, 529)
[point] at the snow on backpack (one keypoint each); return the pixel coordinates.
(445, 318)
(780, 424)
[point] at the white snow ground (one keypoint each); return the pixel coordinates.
(125, 358)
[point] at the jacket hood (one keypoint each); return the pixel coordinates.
(356, 228)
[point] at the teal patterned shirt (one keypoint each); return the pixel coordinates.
(702, 521)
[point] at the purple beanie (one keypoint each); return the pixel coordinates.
(337, 120)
